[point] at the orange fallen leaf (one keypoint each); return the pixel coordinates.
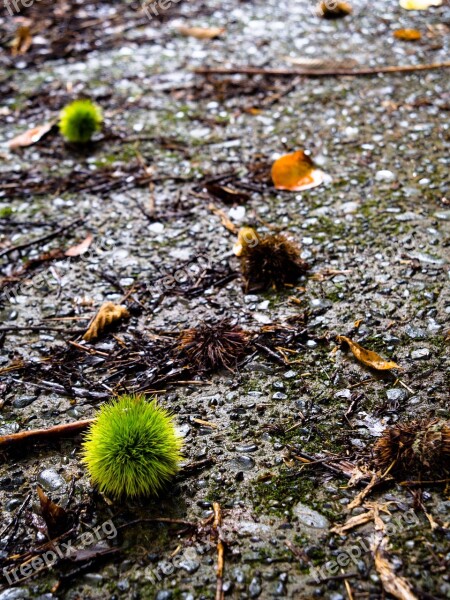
(368, 357)
(108, 314)
(30, 137)
(81, 247)
(408, 35)
(201, 33)
(296, 172)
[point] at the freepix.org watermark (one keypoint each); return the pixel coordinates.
(15, 6)
(153, 8)
(46, 560)
(353, 553)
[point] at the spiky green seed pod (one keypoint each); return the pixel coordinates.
(132, 449)
(79, 121)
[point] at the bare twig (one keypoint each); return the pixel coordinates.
(36, 434)
(44, 238)
(321, 72)
(220, 550)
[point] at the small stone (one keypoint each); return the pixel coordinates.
(15, 594)
(254, 588)
(123, 585)
(420, 354)
(396, 395)
(50, 480)
(309, 517)
(290, 374)
(243, 462)
(189, 565)
(23, 401)
(384, 175)
(247, 448)
(415, 333)
(164, 595)
(279, 396)
(343, 394)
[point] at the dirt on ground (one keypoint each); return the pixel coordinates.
(279, 446)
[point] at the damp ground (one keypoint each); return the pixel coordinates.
(376, 235)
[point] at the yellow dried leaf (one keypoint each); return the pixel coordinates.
(367, 357)
(419, 4)
(407, 35)
(392, 583)
(108, 314)
(296, 172)
(201, 33)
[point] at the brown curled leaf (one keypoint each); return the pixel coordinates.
(368, 357)
(108, 314)
(55, 517)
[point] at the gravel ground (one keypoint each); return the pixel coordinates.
(376, 235)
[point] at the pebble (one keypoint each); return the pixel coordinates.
(189, 565)
(247, 448)
(15, 594)
(244, 462)
(50, 480)
(396, 395)
(23, 401)
(384, 175)
(415, 333)
(420, 354)
(309, 517)
(164, 595)
(254, 588)
(290, 374)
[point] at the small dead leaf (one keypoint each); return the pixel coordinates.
(408, 35)
(353, 522)
(22, 40)
(81, 247)
(201, 33)
(419, 4)
(226, 194)
(392, 583)
(368, 357)
(30, 137)
(108, 314)
(296, 172)
(55, 517)
(229, 225)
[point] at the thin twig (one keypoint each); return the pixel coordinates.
(220, 550)
(44, 238)
(35, 434)
(321, 72)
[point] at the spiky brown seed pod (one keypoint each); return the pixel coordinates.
(271, 261)
(416, 448)
(213, 346)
